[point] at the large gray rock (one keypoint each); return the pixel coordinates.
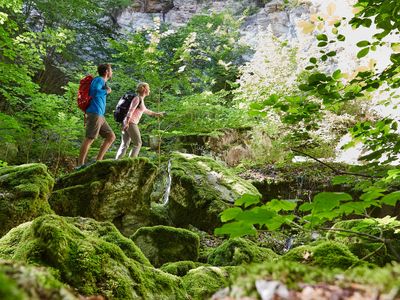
(24, 191)
(109, 190)
(201, 189)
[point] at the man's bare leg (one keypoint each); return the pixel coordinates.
(105, 145)
(84, 150)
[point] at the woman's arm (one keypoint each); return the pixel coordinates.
(152, 113)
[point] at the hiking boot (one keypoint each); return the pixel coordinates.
(81, 167)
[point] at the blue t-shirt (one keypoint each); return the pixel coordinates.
(98, 92)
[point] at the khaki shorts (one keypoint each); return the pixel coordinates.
(95, 125)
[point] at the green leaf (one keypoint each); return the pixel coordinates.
(326, 201)
(353, 207)
(306, 206)
(322, 37)
(313, 60)
(278, 205)
(371, 195)
(230, 213)
(362, 53)
(341, 37)
(322, 44)
(331, 53)
(256, 215)
(337, 74)
(341, 179)
(363, 44)
(247, 200)
(236, 229)
(391, 199)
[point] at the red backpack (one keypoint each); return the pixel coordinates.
(83, 92)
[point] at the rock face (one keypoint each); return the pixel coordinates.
(92, 257)
(162, 244)
(276, 15)
(201, 188)
(110, 190)
(24, 191)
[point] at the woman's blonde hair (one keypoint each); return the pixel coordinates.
(141, 86)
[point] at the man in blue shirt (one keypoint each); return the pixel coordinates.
(96, 123)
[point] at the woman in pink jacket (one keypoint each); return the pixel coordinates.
(130, 131)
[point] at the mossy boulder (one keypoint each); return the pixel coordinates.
(162, 244)
(325, 254)
(23, 282)
(376, 240)
(92, 257)
(201, 189)
(202, 282)
(180, 268)
(110, 190)
(239, 251)
(24, 191)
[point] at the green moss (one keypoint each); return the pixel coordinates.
(24, 191)
(202, 282)
(9, 289)
(90, 256)
(201, 189)
(19, 281)
(109, 190)
(162, 244)
(324, 254)
(359, 236)
(294, 275)
(239, 251)
(180, 268)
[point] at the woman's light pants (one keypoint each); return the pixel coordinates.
(131, 134)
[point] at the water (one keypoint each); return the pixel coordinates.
(168, 186)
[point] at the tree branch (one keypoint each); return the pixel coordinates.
(336, 171)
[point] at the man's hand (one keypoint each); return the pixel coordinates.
(160, 114)
(108, 90)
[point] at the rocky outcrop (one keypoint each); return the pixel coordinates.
(162, 244)
(277, 15)
(111, 190)
(92, 257)
(201, 189)
(24, 191)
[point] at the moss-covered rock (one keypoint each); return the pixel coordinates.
(239, 251)
(201, 189)
(296, 276)
(180, 268)
(22, 282)
(202, 282)
(110, 190)
(162, 244)
(325, 254)
(361, 281)
(24, 191)
(374, 240)
(92, 257)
